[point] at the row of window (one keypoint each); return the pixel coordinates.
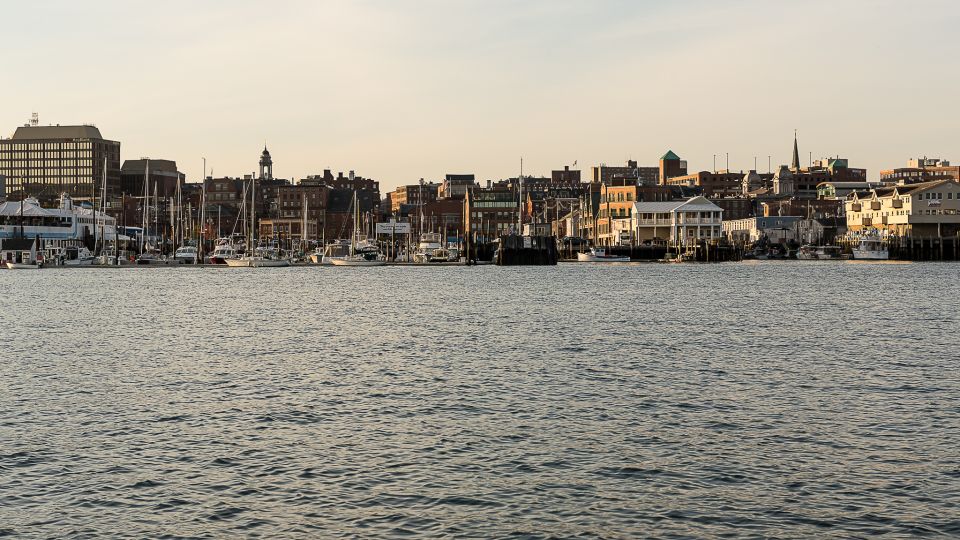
(81, 145)
(8, 156)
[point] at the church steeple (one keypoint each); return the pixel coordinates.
(795, 166)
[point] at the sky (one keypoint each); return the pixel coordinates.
(401, 90)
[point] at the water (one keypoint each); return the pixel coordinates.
(768, 399)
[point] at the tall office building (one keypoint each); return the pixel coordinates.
(45, 161)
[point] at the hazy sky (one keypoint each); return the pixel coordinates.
(399, 90)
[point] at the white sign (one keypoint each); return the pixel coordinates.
(393, 227)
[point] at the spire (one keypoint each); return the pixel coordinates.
(796, 154)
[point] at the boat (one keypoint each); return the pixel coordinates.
(24, 265)
(336, 250)
(600, 255)
(831, 253)
(77, 256)
(155, 258)
(363, 253)
(427, 249)
(187, 255)
(225, 249)
(807, 253)
(262, 257)
(870, 248)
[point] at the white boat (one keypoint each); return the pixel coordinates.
(263, 257)
(155, 259)
(187, 255)
(77, 256)
(24, 266)
(600, 255)
(357, 260)
(222, 253)
(325, 255)
(427, 247)
(256, 261)
(363, 253)
(871, 248)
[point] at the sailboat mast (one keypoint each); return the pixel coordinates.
(103, 202)
(145, 213)
(253, 202)
(520, 202)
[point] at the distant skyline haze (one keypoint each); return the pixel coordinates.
(403, 90)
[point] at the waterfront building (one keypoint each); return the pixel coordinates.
(676, 222)
(924, 209)
(617, 198)
(455, 186)
(819, 231)
(442, 216)
(46, 161)
(776, 229)
(64, 226)
(490, 212)
(920, 170)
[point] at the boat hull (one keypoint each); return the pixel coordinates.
(589, 257)
(870, 255)
(22, 266)
(257, 263)
(356, 262)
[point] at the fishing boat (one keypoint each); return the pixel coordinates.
(871, 248)
(600, 255)
(363, 253)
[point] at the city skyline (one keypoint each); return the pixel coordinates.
(397, 93)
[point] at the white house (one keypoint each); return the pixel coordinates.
(677, 221)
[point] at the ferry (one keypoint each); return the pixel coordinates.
(67, 226)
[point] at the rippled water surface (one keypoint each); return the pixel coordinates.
(771, 399)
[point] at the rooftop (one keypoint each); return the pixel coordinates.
(28, 133)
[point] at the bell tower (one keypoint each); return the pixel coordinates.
(266, 165)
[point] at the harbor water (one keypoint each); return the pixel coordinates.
(757, 399)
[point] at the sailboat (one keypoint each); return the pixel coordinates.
(262, 256)
(366, 256)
